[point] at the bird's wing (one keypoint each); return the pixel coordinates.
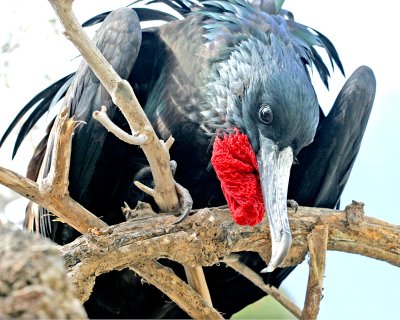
(324, 166)
(50, 96)
(41, 103)
(119, 39)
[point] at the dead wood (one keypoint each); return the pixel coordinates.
(122, 94)
(210, 236)
(33, 280)
(317, 244)
(177, 290)
(52, 192)
(156, 151)
(233, 262)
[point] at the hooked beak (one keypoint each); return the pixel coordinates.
(274, 167)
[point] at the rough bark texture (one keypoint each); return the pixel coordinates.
(181, 293)
(52, 192)
(207, 237)
(210, 236)
(33, 280)
(317, 244)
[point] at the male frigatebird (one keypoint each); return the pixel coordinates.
(230, 82)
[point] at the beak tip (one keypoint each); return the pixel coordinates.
(268, 269)
(279, 252)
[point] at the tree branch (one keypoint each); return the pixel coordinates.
(32, 279)
(210, 235)
(233, 262)
(136, 138)
(123, 96)
(197, 280)
(156, 151)
(182, 294)
(52, 192)
(317, 243)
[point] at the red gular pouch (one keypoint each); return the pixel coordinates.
(236, 166)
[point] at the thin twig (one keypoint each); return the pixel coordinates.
(317, 243)
(233, 261)
(182, 294)
(136, 138)
(144, 188)
(196, 279)
(57, 179)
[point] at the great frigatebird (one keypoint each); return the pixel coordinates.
(229, 69)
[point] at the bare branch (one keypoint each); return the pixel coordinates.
(233, 261)
(52, 192)
(208, 236)
(123, 96)
(57, 178)
(197, 280)
(182, 294)
(156, 151)
(144, 188)
(66, 208)
(317, 243)
(135, 138)
(170, 141)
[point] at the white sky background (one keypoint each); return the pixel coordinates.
(363, 33)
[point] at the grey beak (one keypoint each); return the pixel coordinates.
(274, 168)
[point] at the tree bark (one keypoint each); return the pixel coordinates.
(33, 281)
(211, 235)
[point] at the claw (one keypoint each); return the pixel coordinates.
(173, 165)
(185, 201)
(293, 204)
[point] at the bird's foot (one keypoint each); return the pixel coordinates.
(293, 204)
(173, 165)
(141, 211)
(184, 197)
(185, 202)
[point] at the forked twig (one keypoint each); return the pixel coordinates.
(233, 261)
(136, 138)
(52, 192)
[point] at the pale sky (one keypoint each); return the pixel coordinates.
(363, 33)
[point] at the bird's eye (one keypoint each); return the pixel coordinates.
(265, 114)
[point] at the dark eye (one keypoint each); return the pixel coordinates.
(265, 114)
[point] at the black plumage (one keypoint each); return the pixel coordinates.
(213, 71)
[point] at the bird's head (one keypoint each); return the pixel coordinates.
(264, 92)
(258, 93)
